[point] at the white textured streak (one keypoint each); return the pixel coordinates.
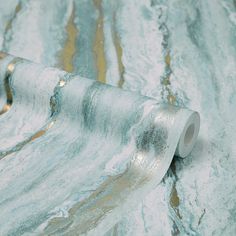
(203, 64)
(142, 51)
(112, 73)
(37, 32)
(7, 9)
(202, 43)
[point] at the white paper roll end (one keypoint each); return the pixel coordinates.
(189, 135)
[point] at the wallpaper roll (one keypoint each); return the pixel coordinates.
(75, 154)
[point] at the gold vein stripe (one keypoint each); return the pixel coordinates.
(69, 49)
(7, 87)
(99, 45)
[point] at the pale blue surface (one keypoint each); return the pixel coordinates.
(199, 36)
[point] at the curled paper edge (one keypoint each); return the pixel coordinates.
(143, 171)
(188, 136)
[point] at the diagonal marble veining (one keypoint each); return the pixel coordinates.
(19, 74)
(114, 154)
(202, 52)
(185, 49)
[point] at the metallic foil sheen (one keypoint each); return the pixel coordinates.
(77, 154)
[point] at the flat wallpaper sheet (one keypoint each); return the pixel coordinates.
(181, 53)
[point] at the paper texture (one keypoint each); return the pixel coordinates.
(77, 154)
(178, 52)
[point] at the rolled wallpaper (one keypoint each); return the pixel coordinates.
(76, 154)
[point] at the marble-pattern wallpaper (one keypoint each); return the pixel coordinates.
(77, 154)
(178, 52)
